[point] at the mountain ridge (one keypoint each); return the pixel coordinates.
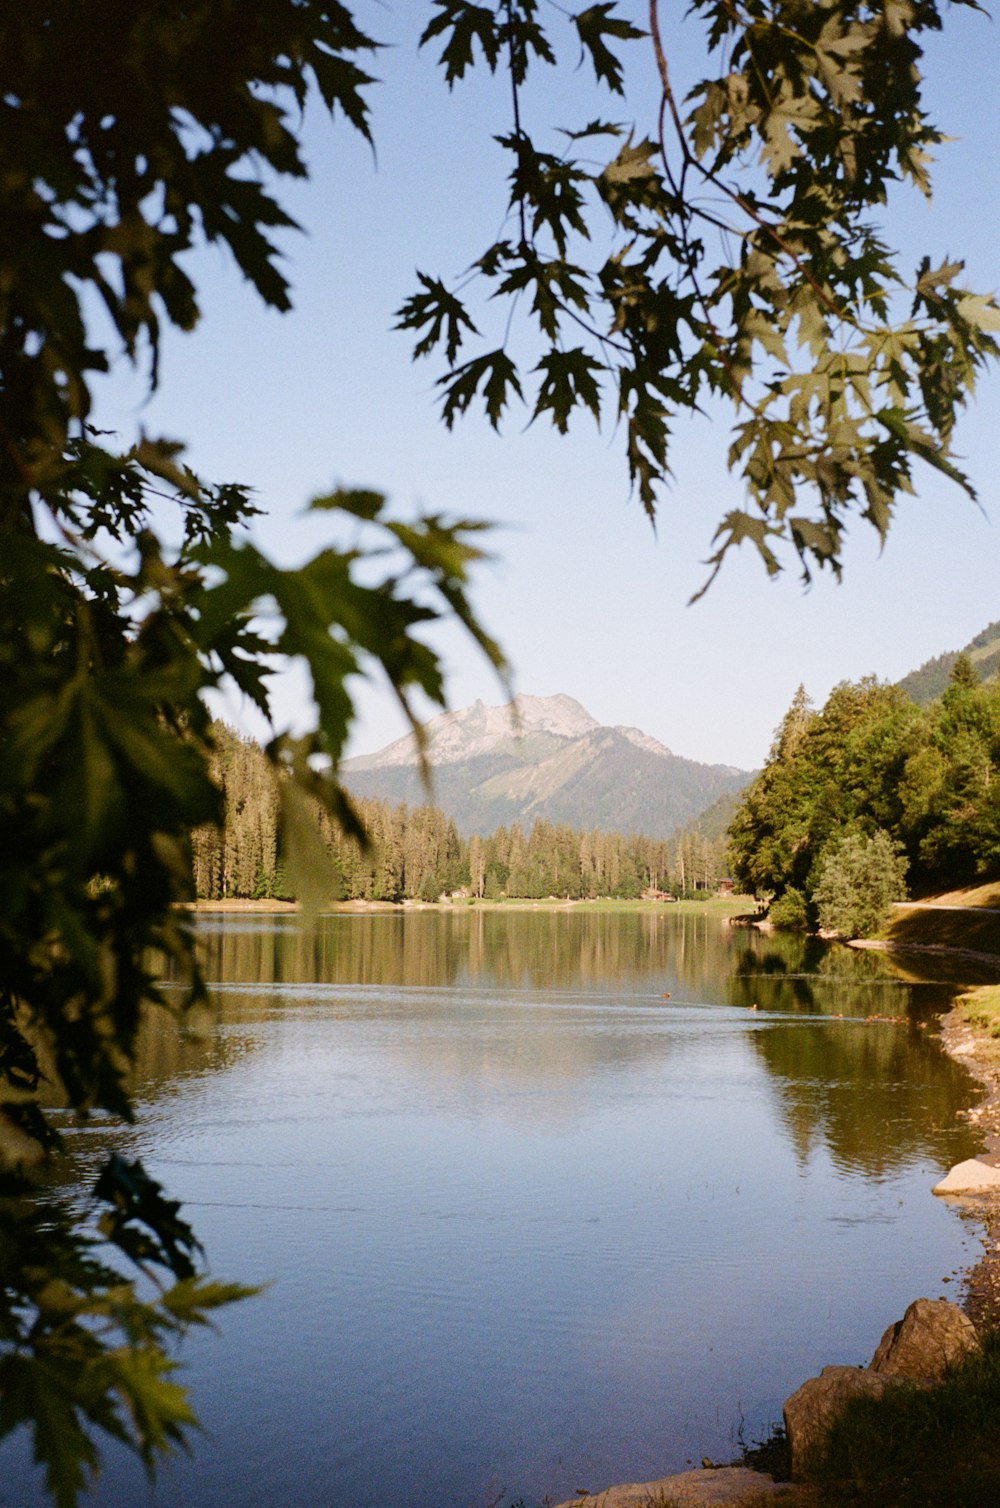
(930, 679)
(548, 759)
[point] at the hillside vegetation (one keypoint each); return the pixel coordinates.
(930, 680)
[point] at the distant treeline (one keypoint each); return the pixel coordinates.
(416, 853)
(931, 679)
(924, 781)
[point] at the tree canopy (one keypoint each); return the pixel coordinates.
(726, 250)
(872, 768)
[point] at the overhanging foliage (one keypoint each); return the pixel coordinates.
(725, 250)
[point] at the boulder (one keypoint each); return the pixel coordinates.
(931, 1336)
(812, 1408)
(970, 1177)
(723, 1487)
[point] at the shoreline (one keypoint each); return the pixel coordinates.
(736, 1485)
(936, 950)
(722, 906)
(979, 1053)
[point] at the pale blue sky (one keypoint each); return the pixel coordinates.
(584, 598)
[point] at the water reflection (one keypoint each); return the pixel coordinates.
(876, 1096)
(570, 949)
(866, 1081)
(544, 948)
(545, 1203)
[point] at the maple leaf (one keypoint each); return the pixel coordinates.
(495, 373)
(593, 25)
(441, 315)
(568, 380)
(466, 25)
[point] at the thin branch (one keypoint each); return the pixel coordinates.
(690, 160)
(518, 132)
(667, 101)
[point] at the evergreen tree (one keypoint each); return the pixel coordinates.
(873, 761)
(477, 867)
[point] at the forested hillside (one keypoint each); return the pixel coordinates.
(931, 679)
(416, 853)
(874, 783)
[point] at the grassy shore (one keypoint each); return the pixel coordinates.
(964, 921)
(980, 1009)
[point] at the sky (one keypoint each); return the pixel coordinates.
(584, 597)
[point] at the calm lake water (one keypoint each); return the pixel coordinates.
(530, 1225)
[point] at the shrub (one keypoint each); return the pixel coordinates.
(858, 878)
(920, 1448)
(791, 911)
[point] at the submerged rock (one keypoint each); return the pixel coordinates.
(932, 1336)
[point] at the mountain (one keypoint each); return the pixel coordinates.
(927, 683)
(557, 762)
(713, 823)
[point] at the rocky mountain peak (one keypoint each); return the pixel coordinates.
(471, 732)
(553, 760)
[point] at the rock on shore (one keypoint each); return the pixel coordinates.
(723, 1487)
(932, 1336)
(970, 1177)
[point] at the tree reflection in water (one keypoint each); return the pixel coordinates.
(854, 1066)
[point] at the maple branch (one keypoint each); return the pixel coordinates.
(667, 101)
(690, 160)
(518, 132)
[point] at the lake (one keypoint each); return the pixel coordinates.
(543, 1204)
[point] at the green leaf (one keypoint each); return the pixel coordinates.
(466, 24)
(494, 373)
(634, 163)
(784, 127)
(569, 378)
(340, 83)
(979, 310)
(930, 282)
(159, 1408)
(923, 445)
(439, 313)
(556, 286)
(41, 1393)
(735, 529)
(594, 128)
(311, 871)
(142, 1222)
(364, 503)
(191, 1300)
(593, 25)
(707, 120)
(548, 189)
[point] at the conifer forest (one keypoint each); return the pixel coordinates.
(416, 852)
